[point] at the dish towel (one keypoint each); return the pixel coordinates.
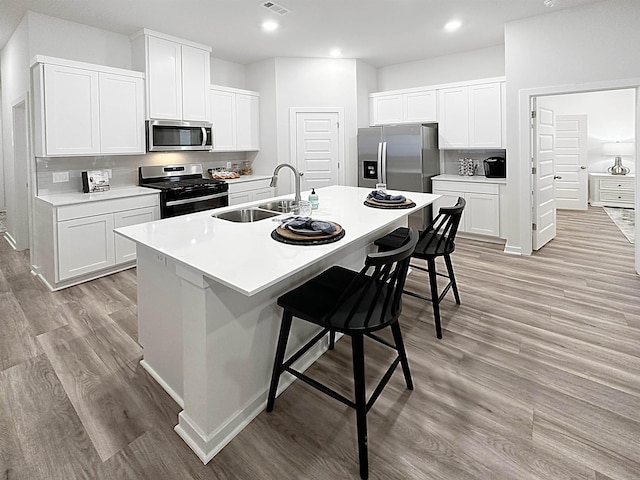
(378, 195)
(309, 224)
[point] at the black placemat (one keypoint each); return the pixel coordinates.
(390, 206)
(310, 241)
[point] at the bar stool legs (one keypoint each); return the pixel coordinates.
(278, 367)
(357, 348)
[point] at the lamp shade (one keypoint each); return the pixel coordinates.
(618, 149)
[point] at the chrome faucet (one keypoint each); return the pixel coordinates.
(296, 174)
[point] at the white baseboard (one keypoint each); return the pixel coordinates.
(172, 393)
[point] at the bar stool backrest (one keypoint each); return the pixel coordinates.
(439, 237)
(373, 300)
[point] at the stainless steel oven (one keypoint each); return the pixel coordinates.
(183, 189)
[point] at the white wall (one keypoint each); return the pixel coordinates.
(261, 77)
(582, 46)
(610, 117)
(473, 65)
(60, 38)
(227, 74)
(3, 205)
(367, 83)
(14, 70)
(286, 83)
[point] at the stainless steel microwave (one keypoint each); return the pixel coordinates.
(175, 136)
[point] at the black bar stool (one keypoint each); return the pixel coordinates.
(437, 240)
(355, 304)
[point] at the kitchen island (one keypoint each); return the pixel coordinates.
(207, 315)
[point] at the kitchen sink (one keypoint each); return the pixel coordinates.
(280, 206)
(245, 215)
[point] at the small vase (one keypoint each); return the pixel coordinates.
(618, 168)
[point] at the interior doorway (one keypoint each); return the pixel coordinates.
(19, 211)
(611, 116)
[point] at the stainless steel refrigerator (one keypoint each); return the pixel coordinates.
(405, 157)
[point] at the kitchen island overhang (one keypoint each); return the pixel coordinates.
(207, 314)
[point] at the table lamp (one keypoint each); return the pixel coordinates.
(618, 150)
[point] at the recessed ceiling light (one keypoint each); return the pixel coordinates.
(269, 26)
(453, 25)
(336, 52)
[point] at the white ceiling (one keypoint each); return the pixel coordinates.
(379, 32)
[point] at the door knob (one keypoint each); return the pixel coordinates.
(582, 167)
(556, 177)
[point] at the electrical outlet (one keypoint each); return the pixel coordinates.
(162, 259)
(228, 166)
(60, 177)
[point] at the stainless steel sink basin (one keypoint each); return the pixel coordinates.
(245, 215)
(280, 206)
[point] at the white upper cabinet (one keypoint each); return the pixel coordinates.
(178, 76)
(420, 106)
(453, 121)
(400, 107)
(247, 121)
(164, 79)
(235, 115)
(386, 109)
(196, 77)
(71, 111)
(121, 114)
(485, 115)
(471, 116)
(86, 109)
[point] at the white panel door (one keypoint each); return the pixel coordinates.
(386, 109)
(164, 79)
(317, 146)
(485, 116)
(420, 106)
(571, 186)
(544, 204)
(195, 84)
(482, 214)
(121, 114)
(85, 245)
(247, 122)
(72, 112)
(453, 117)
(223, 117)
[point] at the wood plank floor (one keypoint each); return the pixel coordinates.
(537, 377)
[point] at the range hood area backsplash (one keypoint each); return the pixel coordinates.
(124, 168)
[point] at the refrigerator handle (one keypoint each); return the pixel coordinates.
(383, 157)
(379, 178)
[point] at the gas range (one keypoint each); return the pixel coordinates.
(183, 189)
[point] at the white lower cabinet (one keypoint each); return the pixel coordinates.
(481, 215)
(76, 242)
(85, 245)
(250, 191)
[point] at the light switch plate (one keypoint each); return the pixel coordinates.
(60, 177)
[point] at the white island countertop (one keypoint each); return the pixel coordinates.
(244, 257)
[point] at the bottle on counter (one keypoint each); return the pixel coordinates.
(313, 199)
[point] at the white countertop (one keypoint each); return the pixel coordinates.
(247, 178)
(72, 198)
(244, 257)
(470, 178)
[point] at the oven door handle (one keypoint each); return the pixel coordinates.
(196, 199)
